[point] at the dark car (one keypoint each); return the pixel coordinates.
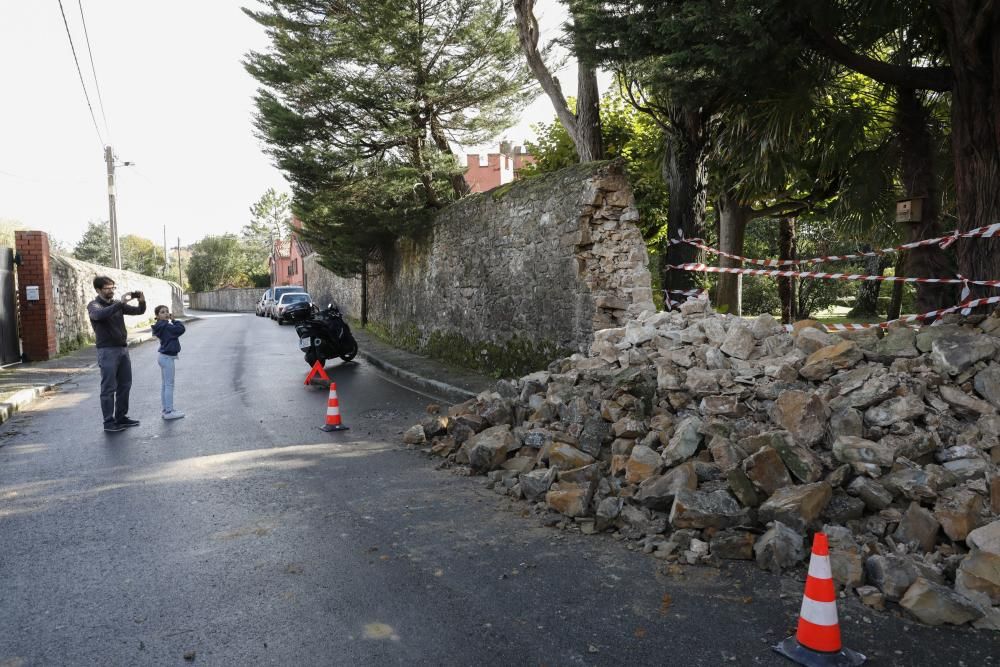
(299, 311)
(287, 300)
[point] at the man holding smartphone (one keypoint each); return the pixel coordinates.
(107, 317)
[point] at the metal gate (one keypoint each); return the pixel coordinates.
(10, 345)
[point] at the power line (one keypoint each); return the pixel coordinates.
(80, 72)
(93, 69)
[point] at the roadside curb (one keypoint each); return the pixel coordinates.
(442, 389)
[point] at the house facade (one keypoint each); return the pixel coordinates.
(285, 262)
(485, 171)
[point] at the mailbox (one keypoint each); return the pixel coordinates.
(31, 292)
(909, 210)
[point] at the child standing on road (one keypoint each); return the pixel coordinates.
(168, 330)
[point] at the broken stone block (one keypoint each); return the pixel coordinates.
(980, 570)
(739, 341)
(899, 342)
(725, 453)
(415, 435)
(965, 403)
(766, 470)
(915, 483)
(537, 438)
(564, 456)
(810, 338)
(595, 433)
(587, 473)
(701, 509)
(822, 363)
(934, 604)
(635, 522)
(892, 574)
(803, 414)
(684, 443)
(779, 548)
(957, 353)
(849, 449)
(899, 409)
(733, 544)
(443, 446)
(742, 488)
(536, 483)
(519, 464)
(846, 563)
(846, 421)
(725, 406)
(918, 526)
(607, 511)
(658, 492)
(987, 384)
(967, 469)
(958, 510)
(796, 506)
(799, 460)
(569, 499)
(838, 476)
(843, 508)
(871, 597)
(628, 428)
(642, 464)
(488, 449)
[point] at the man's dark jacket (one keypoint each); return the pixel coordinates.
(108, 320)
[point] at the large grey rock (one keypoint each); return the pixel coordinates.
(898, 342)
(899, 409)
(415, 435)
(810, 339)
(918, 525)
(934, 604)
(725, 454)
(684, 443)
(779, 548)
(962, 402)
(847, 421)
(536, 483)
(875, 496)
(987, 384)
(566, 457)
(595, 433)
(803, 414)
(846, 563)
(957, 353)
(607, 511)
(825, 361)
(722, 406)
(980, 570)
(658, 492)
(642, 464)
(893, 575)
(766, 470)
(801, 461)
(705, 509)
(796, 506)
(849, 449)
(488, 449)
(733, 544)
(739, 341)
(958, 511)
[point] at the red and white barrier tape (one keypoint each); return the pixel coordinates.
(934, 314)
(941, 241)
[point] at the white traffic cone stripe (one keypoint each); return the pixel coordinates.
(819, 613)
(819, 567)
(332, 411)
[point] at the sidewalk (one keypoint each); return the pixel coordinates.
(20, 384)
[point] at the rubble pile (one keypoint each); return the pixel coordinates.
(703, 437)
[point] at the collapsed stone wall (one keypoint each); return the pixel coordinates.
(538, 265)
(707, 436)
(73, 289)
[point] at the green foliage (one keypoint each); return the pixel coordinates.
(216, 262)
(270, 220)
(141, 255)
(95, 245)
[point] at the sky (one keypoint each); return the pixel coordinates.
(178, 104)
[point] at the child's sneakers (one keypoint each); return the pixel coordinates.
(173, 414)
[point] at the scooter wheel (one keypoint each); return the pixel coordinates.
(352, 353)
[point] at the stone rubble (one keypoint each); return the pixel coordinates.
(703, 437)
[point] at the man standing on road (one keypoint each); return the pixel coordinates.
(107, 316)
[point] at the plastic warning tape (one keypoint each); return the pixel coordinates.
(941, 241)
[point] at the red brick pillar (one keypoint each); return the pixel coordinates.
(38, 322)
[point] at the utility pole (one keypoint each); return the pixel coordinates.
(116, 254)
(180, 270)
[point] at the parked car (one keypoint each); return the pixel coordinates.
(276, 293)
(286, 300)
(261, 308)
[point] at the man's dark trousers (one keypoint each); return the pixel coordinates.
(116, 381)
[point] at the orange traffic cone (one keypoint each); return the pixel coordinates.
(333, 411)
(817, 641)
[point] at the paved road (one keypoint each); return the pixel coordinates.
(242, 535)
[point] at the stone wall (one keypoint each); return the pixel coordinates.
(227, 300)
(73, 289)
(513, 277)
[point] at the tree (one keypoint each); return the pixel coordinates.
(582, 122)
(142, 256)
(216, 262)
(357, 80)
(270, 219)
(95, 245)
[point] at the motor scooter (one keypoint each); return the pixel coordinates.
(326, 335)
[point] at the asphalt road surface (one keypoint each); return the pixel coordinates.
(244, 535)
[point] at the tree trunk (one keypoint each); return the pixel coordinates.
(786, 286)
(866, 303)
(584, 127)
(733, 219)
(685, 172)
(896, 301)
(916, 156)
(458, 182)
(972, 31)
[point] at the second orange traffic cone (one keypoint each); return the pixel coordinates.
(333, 411)
(817, 641)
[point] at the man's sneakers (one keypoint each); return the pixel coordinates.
(113, 427)
(125, 422)
(173, 414)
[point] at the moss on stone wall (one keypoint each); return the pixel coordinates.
(75, 343)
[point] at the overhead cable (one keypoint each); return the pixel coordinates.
(80, 72)
(97, 87)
